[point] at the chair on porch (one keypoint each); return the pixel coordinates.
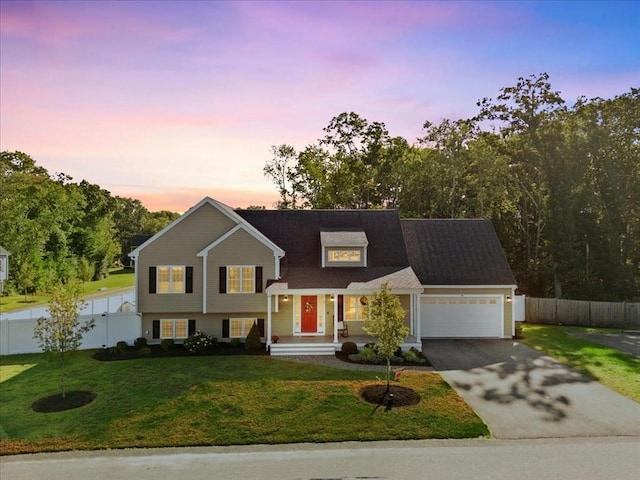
(343, 329)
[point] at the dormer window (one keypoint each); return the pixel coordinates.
(334, 256)
(344, 248)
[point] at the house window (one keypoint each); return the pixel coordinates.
(171, 279)
(354, 307)
(241, 279)
(344, 256)
(239, 327)
(174, 329)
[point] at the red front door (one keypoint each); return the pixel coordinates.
(309, 306)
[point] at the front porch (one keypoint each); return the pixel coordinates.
(324, 344)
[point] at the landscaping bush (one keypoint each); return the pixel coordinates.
(518, 330)
(117, 350)
(122, 344)
(236, 343)
(200, 343)
(410, 356)
(144, 352)
(253, 341)
(367, 354)
(139, 343)
(167, 344)
(349, 348)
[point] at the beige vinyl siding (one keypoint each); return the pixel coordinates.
(239, 249)
(179, 246)
(507, 307)
(282, 321)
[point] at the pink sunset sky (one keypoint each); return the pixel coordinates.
(168, 102)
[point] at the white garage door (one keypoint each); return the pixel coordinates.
(452, 316)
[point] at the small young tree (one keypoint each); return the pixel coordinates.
(62, 333)
(385, 321)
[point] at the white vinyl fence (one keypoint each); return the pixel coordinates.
(115, 320)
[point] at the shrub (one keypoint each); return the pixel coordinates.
(139, 343)
(122, 344)
(236, 343)
(518, 332)
(117, 349)
(253, 341)
(410, 356)
(167, 343)
(144, 352)
(349, 348)
(200, 343)
(367, 354)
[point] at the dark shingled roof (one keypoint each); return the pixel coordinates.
(297, 232)
(456, 252)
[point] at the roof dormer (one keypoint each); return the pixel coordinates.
(344, 248)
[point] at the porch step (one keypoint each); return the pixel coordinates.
(284, 349)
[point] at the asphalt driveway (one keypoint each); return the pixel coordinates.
(520, 393)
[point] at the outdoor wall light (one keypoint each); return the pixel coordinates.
(508, 298)
(285, 298)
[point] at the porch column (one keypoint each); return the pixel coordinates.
(418, 317)
(335, 319)
(268, 321)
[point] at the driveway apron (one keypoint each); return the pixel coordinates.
(520, 393)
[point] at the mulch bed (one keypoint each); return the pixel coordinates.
(396, 396)
(345, 358)
(130, 353)
(58, 403)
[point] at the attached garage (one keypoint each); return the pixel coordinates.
(461, 316)
(465, 276)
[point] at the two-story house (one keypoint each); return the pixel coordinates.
(305, 276)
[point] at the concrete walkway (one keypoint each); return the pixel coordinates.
(520, 393)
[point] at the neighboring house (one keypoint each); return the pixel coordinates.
(4, 267)
(305, 276)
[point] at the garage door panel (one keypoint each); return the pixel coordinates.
(460, 317)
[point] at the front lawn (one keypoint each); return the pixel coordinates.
(613, 368)
(215, 400)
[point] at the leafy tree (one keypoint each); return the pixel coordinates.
(61, 333)
(451, 141)
(385, 321)
(280, 169)
(525, 112)
(352, 166)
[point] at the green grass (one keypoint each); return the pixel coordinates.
(116, 279)
(613, 368)
(215, 400)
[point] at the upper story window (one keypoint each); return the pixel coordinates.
(241, 279)
(170, 279)
(344, 248)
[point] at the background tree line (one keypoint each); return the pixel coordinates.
(57, 230)
(560, 183)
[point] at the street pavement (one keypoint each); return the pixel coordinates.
(490, 459)
(520, 393)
